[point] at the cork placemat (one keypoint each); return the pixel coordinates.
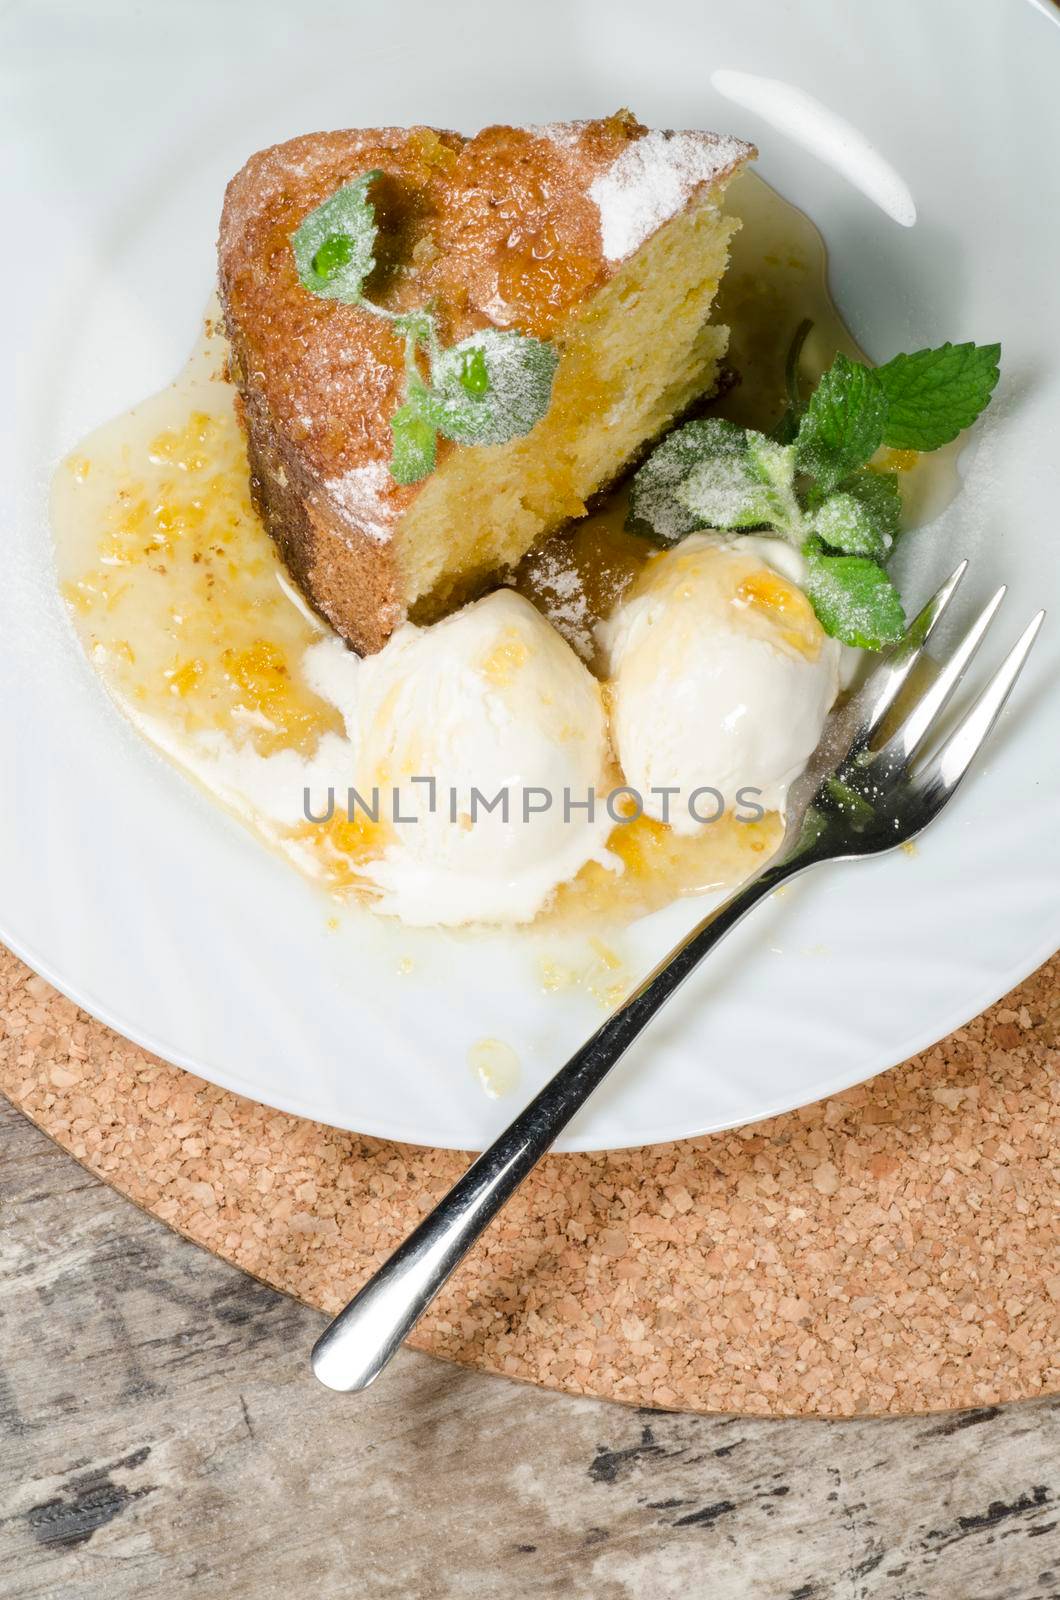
(894, 1249)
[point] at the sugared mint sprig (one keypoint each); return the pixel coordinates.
(489, 388)
(333, 247)
(811, 485)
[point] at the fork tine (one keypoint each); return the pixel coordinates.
(906, 740)
(884, 685)
(934, 785)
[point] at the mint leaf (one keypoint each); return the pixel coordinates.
(842, 425)
(741, 480)
(491, 387)
(933, 394)
(654, 509)
(731, 478)
(847, 524)
(713, 474)
(474, 373)
(335, 253)
(414, 443)
(880, 494)
(417, 326)
(333, 245)
(854, 599)
(773, 465)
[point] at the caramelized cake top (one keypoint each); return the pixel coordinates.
(516, 227)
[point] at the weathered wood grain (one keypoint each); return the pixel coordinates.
(162, 1436)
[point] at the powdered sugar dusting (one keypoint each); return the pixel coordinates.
(564, 601)
(653, 179)
(564, 135)
(363, 497)
(499, 311)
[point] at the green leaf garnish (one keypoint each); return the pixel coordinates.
(843, 424)
(741, 479)
(335, 253)
(818, 492)
(654, 509)
(711, 473)
(474, 373)
(419, 328)
(880, 495)
(518, 372)
(847, 524)
(487, 389)
(932, 395)
(853, 597)
(333, 245)
(415, 444)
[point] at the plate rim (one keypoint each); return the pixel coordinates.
(994, 984)
(374, 1128)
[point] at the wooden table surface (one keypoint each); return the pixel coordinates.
(162, 1436)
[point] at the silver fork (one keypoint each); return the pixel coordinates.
(855, 799)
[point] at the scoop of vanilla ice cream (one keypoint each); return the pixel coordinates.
(491, 700)
(721, 677)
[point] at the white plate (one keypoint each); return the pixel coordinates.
(129, 890)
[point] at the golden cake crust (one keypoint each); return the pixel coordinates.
(516, 227)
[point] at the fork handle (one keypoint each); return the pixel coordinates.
(359, 1343)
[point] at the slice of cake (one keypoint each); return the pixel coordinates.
(600, 243)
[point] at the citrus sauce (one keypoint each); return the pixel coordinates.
(183, 605)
